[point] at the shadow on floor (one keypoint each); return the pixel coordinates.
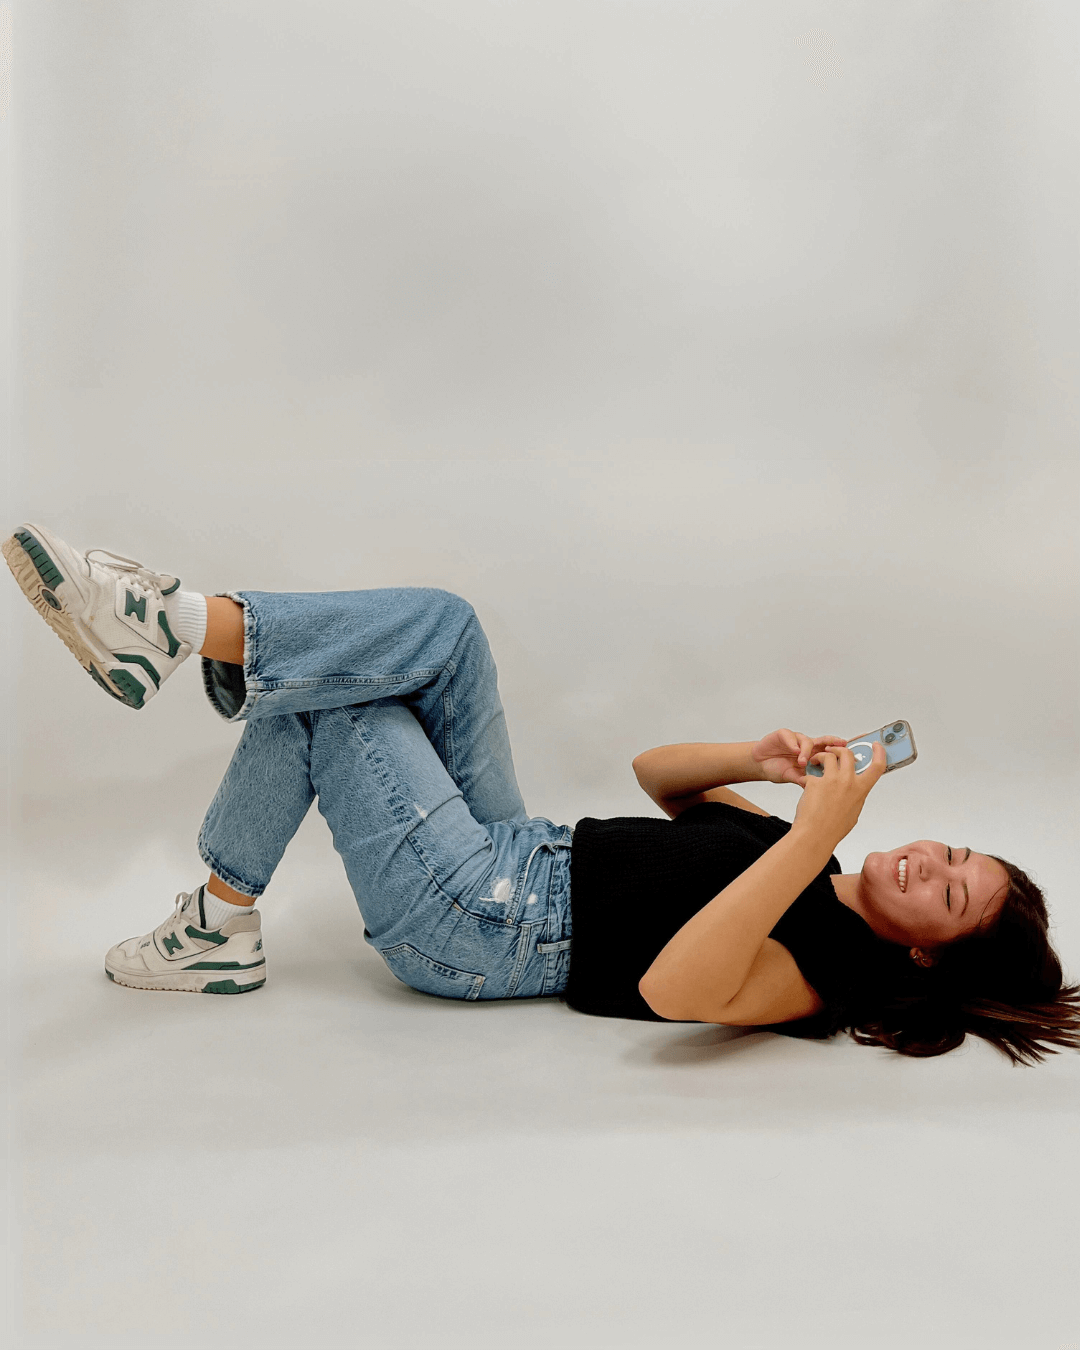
(708, 1045)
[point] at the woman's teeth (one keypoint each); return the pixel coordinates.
(901, 873)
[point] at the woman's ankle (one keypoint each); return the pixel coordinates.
(225, 892)
(224, 639)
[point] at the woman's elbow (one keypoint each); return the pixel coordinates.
(645, 773)
(660, 1000)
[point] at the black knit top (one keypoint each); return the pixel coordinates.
(635, 880)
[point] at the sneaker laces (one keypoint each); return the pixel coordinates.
(133, 573)
(178, 904)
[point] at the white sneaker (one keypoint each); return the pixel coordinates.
(111, 613)
(182, 953)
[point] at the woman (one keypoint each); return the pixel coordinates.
(383, 705)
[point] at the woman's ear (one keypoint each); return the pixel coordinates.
(922, 958)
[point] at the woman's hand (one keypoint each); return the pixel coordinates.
(830, 805)
(784, 755)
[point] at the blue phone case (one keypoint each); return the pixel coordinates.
(899, 748)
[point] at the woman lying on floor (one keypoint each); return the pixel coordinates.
(384, 705)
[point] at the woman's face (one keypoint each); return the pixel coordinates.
(944, 892)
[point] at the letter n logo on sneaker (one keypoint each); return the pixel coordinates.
(172, 944)
(136, 607)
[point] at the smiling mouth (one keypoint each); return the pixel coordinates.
(901, 873)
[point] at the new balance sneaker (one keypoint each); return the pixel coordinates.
(111, 612)
(182, 953)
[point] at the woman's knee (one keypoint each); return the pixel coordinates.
(452, 604)
(457, 619)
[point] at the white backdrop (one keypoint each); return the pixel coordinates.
(724, 355)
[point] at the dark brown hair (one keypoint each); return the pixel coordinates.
(1004, 983)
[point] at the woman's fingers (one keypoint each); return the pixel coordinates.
(842, 760)
(879, 762)
(805, 747)
(833, 803)
(835, 758)
(825, 742)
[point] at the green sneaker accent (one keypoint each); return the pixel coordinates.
(50, 599)
(96, 674)
(172, 944)
(46, 568)
(136, 607)
(230, 987)
(138, 661)
(224, 965)
(215, 938)
(163, 624)
(134, 695)
(174, 587)
(111, 976)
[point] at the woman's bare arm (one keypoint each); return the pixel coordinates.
(775, 991)
(704, 966)
(673, 771)
(683, 773)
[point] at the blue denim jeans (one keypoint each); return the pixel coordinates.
(384, 705)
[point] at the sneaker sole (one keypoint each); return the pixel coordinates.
(37, 574)
(176, 983)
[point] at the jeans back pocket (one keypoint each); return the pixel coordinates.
(431, 977)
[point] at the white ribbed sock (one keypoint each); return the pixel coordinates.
(218, 911)
(189, 619)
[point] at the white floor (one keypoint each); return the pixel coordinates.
(338, 1161)
(724, 356)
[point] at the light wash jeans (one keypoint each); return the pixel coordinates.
(384, 705)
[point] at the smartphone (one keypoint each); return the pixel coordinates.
(899, 748)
